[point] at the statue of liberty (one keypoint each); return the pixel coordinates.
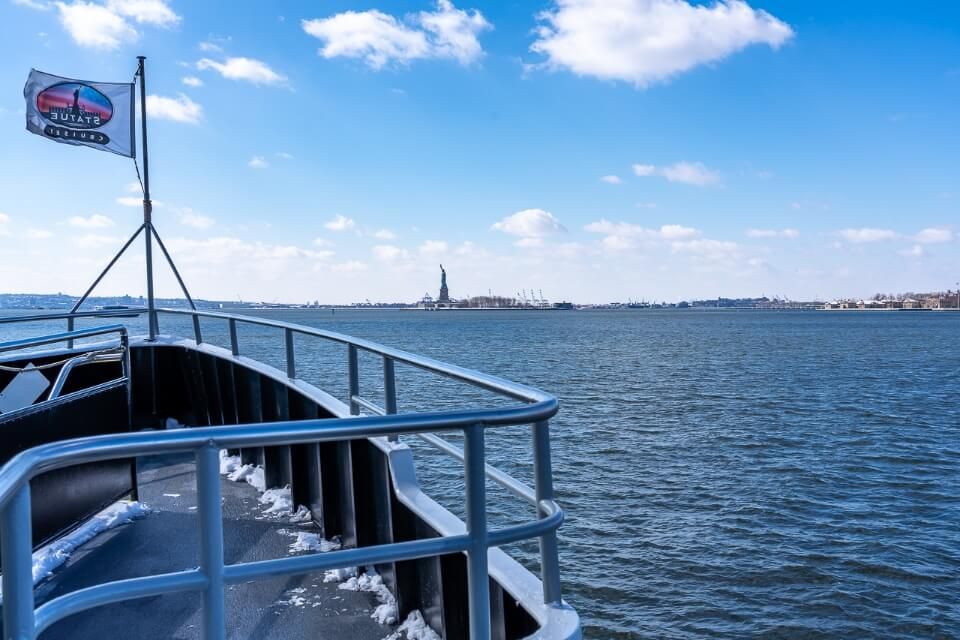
(444, 293)
(75, 109)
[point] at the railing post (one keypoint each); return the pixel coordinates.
(196, 329)
(234, 344)
(16, 549)
(478, 579)
(353, 373)
(291, 356)
(543, 477)
(70, 325)
(390, 390)
(211, 541)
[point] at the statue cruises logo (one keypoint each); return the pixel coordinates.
(74, 110)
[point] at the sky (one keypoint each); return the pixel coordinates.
(594, 150)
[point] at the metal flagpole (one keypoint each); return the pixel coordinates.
(147, 204)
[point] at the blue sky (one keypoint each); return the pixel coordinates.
(595, 149)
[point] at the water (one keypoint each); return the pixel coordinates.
(724, 474)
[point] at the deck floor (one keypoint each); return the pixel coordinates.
(167, 540)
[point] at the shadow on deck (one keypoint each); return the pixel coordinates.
(286, 608)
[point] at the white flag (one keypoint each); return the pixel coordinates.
(90, 114)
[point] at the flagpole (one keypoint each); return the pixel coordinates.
(147, 203)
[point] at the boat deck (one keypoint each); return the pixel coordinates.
(285, 608)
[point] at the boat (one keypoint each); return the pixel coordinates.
(121, 310)
(157, 484)
(92, 433)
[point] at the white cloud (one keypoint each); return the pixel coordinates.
(209, 46)
(380, 39)
(773, 233)
(433, 248)
(94, 25)
(4, 218)
(376, 37)
(694, 173)
(96, 241)
(916, 251)
(179, 109)
(620, 236)
(455, 31)
(530, 223)
(468, 248)
(106, 26)
(677, 232)
(38, 234)
(648, 41)
(933, 235)
(690, 173)
(711, 249)
(247, 69)
(866, 234)
(340, 223)
(154, 12)
(130, 201)
(389, 252)
(618, 243)
(225, 249)
(192, 81)
(95, 221)
(33, 4)
(189, 218)
(611, 179)
(322, 242)
(349, 266)
(384, 234)
(258, 162)
(624, 235)
(529, 243)
(284, 155)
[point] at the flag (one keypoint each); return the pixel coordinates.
(90, 114)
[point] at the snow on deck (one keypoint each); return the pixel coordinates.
(257, 526)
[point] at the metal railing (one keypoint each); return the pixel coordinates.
(66, 366)
(20, 621)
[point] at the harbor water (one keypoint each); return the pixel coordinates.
(725, 474)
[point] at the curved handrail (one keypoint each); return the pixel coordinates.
(103, 313)
(476, 378)
(64, 453)
(205, 442)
